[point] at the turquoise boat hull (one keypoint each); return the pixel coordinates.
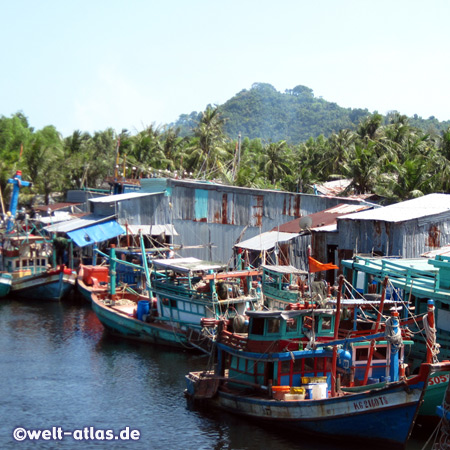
(5, 284)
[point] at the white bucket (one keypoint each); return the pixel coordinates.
(316, 391)
(320, 390)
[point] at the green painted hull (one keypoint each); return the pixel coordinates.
(434, 394)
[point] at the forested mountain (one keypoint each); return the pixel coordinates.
(293, 116)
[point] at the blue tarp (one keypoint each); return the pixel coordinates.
(96, 233)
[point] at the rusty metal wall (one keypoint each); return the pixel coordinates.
(406, 239)
(227, 211)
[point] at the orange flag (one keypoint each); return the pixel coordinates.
(316, 266)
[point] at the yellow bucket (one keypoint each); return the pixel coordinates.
(297, 390)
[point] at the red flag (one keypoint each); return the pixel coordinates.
(316, 266)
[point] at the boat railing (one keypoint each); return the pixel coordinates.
(181, 289)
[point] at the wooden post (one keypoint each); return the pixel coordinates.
(430, 317)
(336, 335)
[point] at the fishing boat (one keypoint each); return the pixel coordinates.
(29, 258)
(5, 284)
(269, 375)
(412, 283)
(26, 258)
(184, 299)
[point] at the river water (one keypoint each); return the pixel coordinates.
(60, 369)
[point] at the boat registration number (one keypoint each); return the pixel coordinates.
(370, 403)
(438, 379)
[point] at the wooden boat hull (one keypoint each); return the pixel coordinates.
(46, 285)
(385, 415)
(5, 284)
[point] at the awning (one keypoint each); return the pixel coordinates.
(267, 240)
(96, 233)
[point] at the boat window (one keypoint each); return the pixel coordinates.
(362, 354)
(257, 326)
(233, 363)
(297, 366)
(43, 263)
(380, 353)
(173, 303)
(309, 365)
(326, 323)
(31, 262)
(273, 325)
(17, 264)
(285, 367)
(165, 301)
(291, 325)
(201, 310)
(193, 308)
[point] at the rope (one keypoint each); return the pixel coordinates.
(431, 338)
(393, 335)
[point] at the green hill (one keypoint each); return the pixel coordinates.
(295, 115)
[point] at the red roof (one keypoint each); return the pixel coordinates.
(54, 206)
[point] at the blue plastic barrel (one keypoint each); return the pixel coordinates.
(143, 307)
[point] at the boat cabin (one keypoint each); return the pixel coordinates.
(190, 290)
(25, 255)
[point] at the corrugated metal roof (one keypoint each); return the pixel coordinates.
(333, 187)
(70, 225)
(427, 205)
(58, 216)
(440, 251)
(153, 230)
(323, 220)
(187, 264)
(284, 269)
(267, 240)
(120, 197)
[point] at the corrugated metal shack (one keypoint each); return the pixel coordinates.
(211, 215)
(405, 229)
(318, 230)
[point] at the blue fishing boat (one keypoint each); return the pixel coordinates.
(261, 375)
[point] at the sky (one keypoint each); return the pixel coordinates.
(90, 65)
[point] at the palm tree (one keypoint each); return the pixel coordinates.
(208, 153)
(44, 159)
(362, 169)
(275, 161)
